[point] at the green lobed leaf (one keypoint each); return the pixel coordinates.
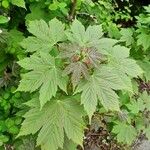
(13, 42)
(51, 125)
(125, 133)
(144, 40)
(113, 31)
(105, 44)
(120, 62)
(143, 37)
(45, 35)
(37, 12)
(127, 36)
(84, 37)
(136, 106)
(93, 34)
(100, 87)
(77, 33)
(44, 75)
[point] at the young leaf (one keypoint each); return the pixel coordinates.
(57, 117)
(82, 52)
(125, 133)
(44, 75)
(77, 69)
(45, 35)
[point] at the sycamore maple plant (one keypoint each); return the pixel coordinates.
(67, 68)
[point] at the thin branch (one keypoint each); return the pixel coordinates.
(72, 10)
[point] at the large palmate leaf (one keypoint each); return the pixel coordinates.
(91, 49)
(82, 37)
(43, 74)
(100, 87)
(57, 117)
(125, 133)
(125, 67)
(45, 35)
(121, 61)
(119, 58)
